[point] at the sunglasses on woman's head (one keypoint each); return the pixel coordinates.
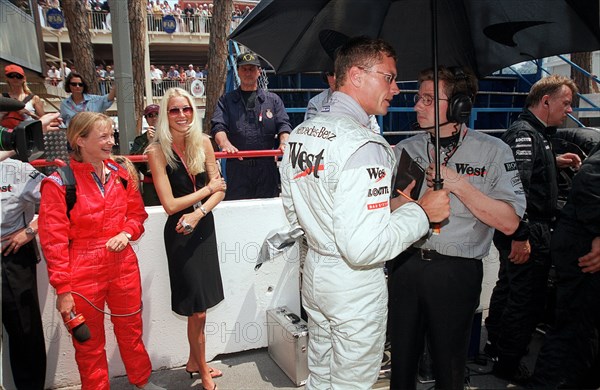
(76, 84)
(14, 76)
(187, 110)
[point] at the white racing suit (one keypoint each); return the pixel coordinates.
(336, 176)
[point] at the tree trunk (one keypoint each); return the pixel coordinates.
(76, 20)
(582, 81)
(585, 61)
(217, 57)
(137, 32)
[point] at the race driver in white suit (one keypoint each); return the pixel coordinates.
(336, 176)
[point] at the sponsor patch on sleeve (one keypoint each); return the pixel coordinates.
(511, 166)
(378, 205)
(56, 178)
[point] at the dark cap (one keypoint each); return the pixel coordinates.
(151, 108)
(248, 59)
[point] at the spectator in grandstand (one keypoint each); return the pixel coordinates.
(166, 8)
(53, 76)
(110, 73)
(188, 13)
(64, 71)
(178, 19)
(173, 74)
(157, 14)
(91, 268)
(189, 186)
(156, 75)
(204, 21)
(190, 73)
(140, 143)
(250, 118)
(246, 12)
(182, 76)
(199, 73)
(18, 90)
(80, 100)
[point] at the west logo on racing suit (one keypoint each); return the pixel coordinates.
(307, 162)
(467, 169)
(376, 173)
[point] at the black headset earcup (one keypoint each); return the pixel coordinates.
(460, 104)
(459, 108)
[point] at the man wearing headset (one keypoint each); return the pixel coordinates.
(435, 285)
(518, 299)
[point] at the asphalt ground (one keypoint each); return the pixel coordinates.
(255, 370)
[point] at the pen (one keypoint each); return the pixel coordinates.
(405, 196)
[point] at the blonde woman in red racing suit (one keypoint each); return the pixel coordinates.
(89, 255)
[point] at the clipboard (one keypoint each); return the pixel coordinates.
(409, 170)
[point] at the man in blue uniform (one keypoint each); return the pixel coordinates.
(250, 118)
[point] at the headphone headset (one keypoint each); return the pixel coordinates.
(461, 103)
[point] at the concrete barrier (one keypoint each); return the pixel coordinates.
(236, 324)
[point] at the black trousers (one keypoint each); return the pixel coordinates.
(251, 178)
(22, 320)
(569, 356)
(435, 298)
(518, 299)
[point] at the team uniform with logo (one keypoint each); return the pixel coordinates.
(435, 285)
(336, 176)
(20, 191)
(252, 121)
(78, 260)
(517, 303)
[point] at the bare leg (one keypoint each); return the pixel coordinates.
(197, 340)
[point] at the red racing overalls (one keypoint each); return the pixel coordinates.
(78, 261)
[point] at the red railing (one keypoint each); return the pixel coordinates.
(144, 158)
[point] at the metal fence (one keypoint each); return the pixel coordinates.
(195, 24)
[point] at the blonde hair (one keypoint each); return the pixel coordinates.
(81, 125)
(127, 164)
(194, 138)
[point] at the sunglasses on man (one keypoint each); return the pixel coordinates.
(14, 76)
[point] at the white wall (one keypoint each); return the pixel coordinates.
(236, 324)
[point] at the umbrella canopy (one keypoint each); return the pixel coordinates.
(485, 35)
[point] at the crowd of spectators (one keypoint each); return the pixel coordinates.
(175, 76)
(191, 18)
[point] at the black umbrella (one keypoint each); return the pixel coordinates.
(484, 35)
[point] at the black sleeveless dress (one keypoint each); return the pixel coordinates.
(194, 271)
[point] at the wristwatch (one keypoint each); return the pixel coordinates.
(31, 231)
(127, 235)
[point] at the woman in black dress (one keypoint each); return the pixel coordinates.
(189, 186)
